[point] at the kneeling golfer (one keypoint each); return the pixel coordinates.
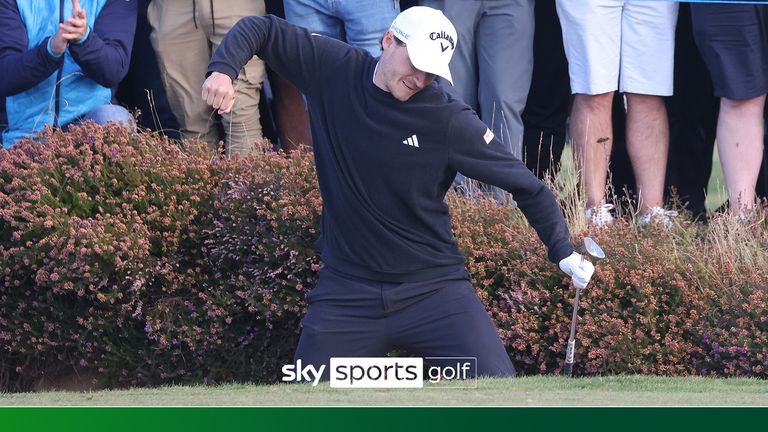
(388, 143)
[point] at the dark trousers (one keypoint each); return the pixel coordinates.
(549, 97)
(353, 317)
(142, 88)
(693, 111)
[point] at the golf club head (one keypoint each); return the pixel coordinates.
(591, 248)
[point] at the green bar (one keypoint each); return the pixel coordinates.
(81, 419)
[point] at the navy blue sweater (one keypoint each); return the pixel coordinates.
(384, 166)
(104, 55)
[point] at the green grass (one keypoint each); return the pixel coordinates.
(529, 391)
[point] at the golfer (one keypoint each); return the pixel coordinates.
(388, 143)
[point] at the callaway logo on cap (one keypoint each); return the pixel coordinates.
(430, 38)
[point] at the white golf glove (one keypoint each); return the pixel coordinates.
(579, 270)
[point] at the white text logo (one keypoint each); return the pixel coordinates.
(413, 141)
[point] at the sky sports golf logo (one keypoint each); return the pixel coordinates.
(388, 372)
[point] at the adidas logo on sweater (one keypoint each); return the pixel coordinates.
(413, 141)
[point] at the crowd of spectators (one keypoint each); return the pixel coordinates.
(643, 89)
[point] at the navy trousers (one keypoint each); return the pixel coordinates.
(354, 317)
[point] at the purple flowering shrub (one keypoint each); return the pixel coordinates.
(135, 261)
(264, 227)
(104, 268)
(660, 303)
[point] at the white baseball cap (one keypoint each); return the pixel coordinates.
(429, 37)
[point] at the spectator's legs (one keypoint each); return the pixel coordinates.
(546, 108)
(365, 21)
(732, 40)
(316, 16)
(289, 108)
(291, 115)
(241, 126)
(621, 176)
(142, 88)
(110, 113)
(592, 41)
(505, 74)
(592, 135)
(740, 146)
(465, 16)
(762, 180)
(183, 53)
(647, 144)
(647, 68)
(692, 120)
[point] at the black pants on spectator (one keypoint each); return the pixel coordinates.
(142, 88)
(546, 109)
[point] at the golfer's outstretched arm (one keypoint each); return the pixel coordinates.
(291, 51)
(475, 152)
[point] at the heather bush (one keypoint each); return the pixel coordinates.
(133, 260)
(674, 302)
(103, 266)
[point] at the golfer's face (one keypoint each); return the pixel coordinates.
(403, 79)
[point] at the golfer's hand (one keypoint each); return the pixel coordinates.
(579, 270)
(218, 92)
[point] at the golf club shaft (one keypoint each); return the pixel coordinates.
(568, 368)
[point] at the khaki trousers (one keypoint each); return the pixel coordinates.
(185, 33)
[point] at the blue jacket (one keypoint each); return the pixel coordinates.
(41, 88)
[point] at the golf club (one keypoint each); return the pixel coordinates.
(592, 249)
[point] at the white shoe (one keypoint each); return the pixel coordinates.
(657, 215)
(600, 216)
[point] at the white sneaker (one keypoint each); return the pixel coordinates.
(657, 215)
(600, 216)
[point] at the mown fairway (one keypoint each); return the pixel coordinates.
(530, 391)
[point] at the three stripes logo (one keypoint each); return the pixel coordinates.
(412, 141)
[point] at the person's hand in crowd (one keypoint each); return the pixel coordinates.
(58, 43)
(76, 27)
(218, 92)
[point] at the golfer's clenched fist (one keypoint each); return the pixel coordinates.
(218, 92)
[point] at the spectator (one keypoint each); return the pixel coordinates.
(546, 109)
(142, 88)
(359, 23)
(733, 40)
(626, 45)
(493, 63)
(185, 36)
(692, 120)
(60, 61)
(290, 113)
